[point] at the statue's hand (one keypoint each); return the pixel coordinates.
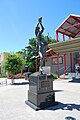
(40, 19)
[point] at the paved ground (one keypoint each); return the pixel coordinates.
(13, 107)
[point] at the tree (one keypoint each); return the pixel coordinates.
(31, 54)
(22, 53)
(13, 63)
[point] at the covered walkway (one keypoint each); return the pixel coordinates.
(68, 46)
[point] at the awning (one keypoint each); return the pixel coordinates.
(68, 46)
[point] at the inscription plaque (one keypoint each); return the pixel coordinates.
(45, 84)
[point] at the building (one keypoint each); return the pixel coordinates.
(66, 53)
(2, 58)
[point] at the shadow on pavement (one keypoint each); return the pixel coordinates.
(58, 90)
(21, 83)
(75, 80)
(70, 118)
(63, 106)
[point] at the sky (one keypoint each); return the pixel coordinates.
(18, 19)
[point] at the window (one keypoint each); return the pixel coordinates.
(55, 60)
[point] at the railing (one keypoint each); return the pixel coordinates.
(68, 69)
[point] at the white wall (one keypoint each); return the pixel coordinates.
(54, 68)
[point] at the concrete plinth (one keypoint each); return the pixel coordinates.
(40, 93)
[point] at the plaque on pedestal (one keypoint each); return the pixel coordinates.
(40, 83)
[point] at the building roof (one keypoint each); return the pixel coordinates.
(70, 26)
(68, 46)
(50, 53)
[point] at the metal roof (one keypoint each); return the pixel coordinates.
(70, 26)
(68, 46)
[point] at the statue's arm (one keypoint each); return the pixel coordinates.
(42, 28)
(36, 29)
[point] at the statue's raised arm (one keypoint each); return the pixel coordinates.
(39, 28)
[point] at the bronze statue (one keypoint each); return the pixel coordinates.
(40, 43)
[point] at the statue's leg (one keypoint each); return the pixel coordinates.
(41, 65)
(41, 59)
(37, 46)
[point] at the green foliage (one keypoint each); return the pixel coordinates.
(3, 75)
(13, 63)
(31, 55)
(54, 76)
(32, 42)
(49, 39)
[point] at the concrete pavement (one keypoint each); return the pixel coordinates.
(13, 107)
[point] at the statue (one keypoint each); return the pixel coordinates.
(43, 96)
(41, 45)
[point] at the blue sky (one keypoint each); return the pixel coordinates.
(19, 17)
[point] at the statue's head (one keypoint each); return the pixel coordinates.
(38, 28)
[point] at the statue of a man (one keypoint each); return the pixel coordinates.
(40, 43)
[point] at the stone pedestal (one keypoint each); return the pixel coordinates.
(40, 93)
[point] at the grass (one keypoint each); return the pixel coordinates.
(54, 76)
